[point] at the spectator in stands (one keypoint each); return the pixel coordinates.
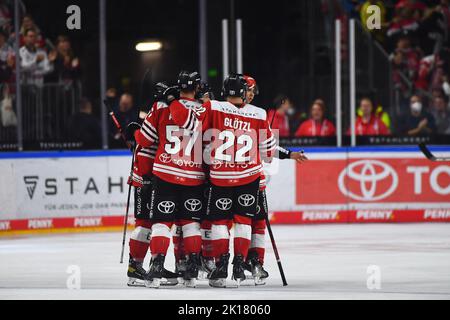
(368, 124)
(434, 71)
(441, 114)
(279, 117)
(27, 24)
(34, 61)
(6, 58)
(405, 59)
(5, 16)
(418, 121)
(84, 126)
(125, 113)
(405, 22)
(317, 125)
(66, 65)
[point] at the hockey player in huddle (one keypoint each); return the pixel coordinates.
(237, 133)
(141, 180)
(178, 190)
(240, 138)
(256, 253)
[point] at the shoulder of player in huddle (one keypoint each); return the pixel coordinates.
(248, 110)
(161, 105)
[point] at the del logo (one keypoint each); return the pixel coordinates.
(31, 183)
(368, 180)
(374, 215)
(320, 215)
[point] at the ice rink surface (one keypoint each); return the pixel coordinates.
(320, 262)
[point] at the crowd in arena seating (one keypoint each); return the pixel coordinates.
(41, 59)
(416, 33)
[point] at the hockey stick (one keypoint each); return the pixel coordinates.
(274, 245)
(130, 147)
(429, 155)
(275, 250)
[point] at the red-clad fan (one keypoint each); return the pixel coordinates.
(178, 190)
(369, 124)
(142, 183)
(317, 125)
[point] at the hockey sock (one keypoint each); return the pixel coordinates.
(258, 239)
(207, 251)
(242, 235)
(220, 238)
(192, 237)
(140, 240)
(160, 238)
(178, 242)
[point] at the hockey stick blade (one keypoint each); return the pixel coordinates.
(429, 155)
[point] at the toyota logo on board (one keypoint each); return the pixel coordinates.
(368, 180)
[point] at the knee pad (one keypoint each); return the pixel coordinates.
(161, 230)
(219, 232)
(242, 231)
(191, 230)
(141, 234)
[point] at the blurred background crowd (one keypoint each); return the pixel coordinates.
(60, 100)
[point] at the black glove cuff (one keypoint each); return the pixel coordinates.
(283, 153)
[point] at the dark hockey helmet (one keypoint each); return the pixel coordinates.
(158, 91)
(235, 86)
(188, 81)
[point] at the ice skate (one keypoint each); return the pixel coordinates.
(238, 269)
(136, 273)
(206, 267)
(192, 268)
(154, 275)
(219, 275)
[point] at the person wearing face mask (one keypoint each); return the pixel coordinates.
(317, 125)
(418, 121)
(279, 117)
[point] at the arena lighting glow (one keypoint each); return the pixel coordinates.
(149, 46)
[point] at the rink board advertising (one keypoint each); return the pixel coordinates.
(76, 190)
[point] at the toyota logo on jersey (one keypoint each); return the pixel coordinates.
(164, 158)
(246, 200)
(368, 180)
(224, 203)
(193, 205)
(166, 207)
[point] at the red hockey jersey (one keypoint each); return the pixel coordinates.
(178, 157)
(238, 137)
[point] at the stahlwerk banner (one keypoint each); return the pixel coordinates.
(63, 187)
